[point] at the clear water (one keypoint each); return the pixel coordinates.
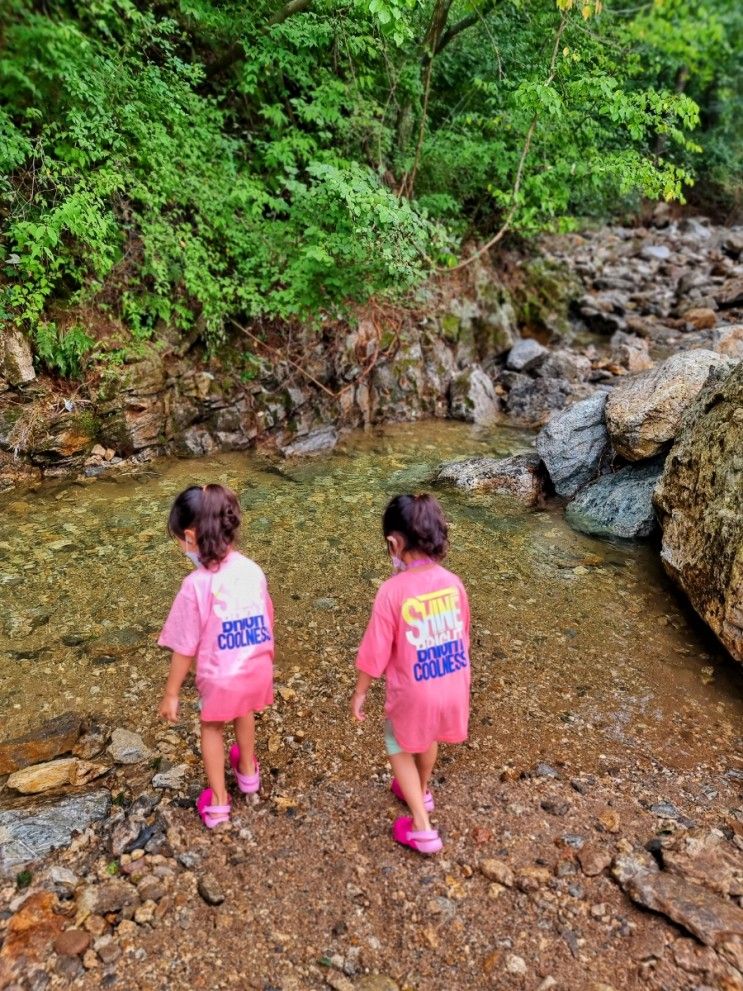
(582, 651)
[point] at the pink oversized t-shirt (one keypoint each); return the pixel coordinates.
(418, 637)
(224, 619)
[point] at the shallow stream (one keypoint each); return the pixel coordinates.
(582, 653)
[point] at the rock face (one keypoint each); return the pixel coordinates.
(520, 476)
(618, 505)
(27, 834)
(16, 361)
(54, 737)
(644, 413)
(574, 444)
(473, 397)
(700, 506)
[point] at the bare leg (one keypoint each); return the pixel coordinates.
(212, 752)
(405, 770)
(245, 736)
(425, 762)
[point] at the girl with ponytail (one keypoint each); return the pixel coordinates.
(222, 622)
(418, 639)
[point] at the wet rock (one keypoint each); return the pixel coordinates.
(618, 505)
(699, 504)
(644, 412)
(27, 834)
(72, 942)
(127, 747)
(54, 774)
(473, 397)
(714, 921)
(51, 739)
(526, 355)
(574, 444)
(316, 442)
(631, 352)
(16, 360)
(520, 476)
(210, 890)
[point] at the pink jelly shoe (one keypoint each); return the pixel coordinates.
(248, 784)
(425, 841)
(211, 815)
(428, 803)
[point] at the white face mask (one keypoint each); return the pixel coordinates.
(193, 556)
(397, 564)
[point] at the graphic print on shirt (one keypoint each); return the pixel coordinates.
(242, 614)
(436, 630)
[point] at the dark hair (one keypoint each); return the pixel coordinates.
(214, 513)
(421, 522)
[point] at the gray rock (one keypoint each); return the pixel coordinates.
(526, 355)
(520, 476)
(655, 252)
(644, 412)
(473, 397)
(172, 778)
(574, 444)
(619, 505)
(210, 890)
(127, 747)
(30, 833)
(563, 364)
(316, 442)
(16, 360)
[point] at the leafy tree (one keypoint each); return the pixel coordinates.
(180, 164)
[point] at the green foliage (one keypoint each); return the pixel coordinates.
(180, 164)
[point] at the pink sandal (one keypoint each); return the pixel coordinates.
(212, 815)
(426, 841)
(428, 803)
(248, 784)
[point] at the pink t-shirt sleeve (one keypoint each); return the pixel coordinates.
(377, 643)
(182, 629)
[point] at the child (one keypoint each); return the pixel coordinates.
(222, 618)
(418, 637)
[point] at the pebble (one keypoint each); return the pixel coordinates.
(108, 950)
(496, 870)
(210, 890)
(127, 747)
(515, 964)
(72, 942)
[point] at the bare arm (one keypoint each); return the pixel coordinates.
(359, 696)
(179, 668)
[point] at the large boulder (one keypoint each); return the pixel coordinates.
(700, 507)
(473, 397)
(574, 444)
(618, 505)
(521, 476)
(644, 412)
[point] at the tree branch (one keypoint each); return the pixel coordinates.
(461, 25)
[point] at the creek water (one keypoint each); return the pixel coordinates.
(582, 653)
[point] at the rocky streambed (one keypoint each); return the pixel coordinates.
(592, 823)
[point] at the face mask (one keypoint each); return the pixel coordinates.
(397, 564)
(193, 556)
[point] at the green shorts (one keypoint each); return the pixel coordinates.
(391, 745)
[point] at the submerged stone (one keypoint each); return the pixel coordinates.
(520, 476)
(618, 505)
